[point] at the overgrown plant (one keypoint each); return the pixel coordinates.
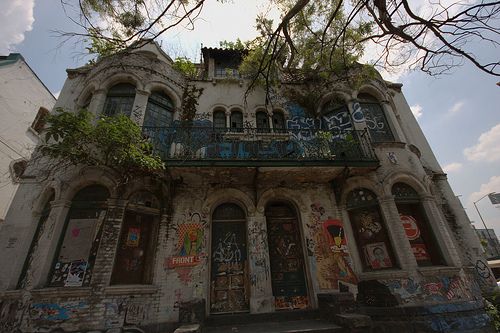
(190, 98)
(114, 142)
(186, 67)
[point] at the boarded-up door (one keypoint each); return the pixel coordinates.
(229, 274)
(286, 256)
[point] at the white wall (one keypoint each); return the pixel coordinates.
(21, 96)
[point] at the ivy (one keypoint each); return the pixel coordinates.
(114, 142)
(190, 98)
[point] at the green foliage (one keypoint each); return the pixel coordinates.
(186, 67)
(494, 314)
(190, 98)
(115, 142)
(237, 45)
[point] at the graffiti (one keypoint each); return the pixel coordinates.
(114, 313)
(191, 242)
(391, 156)
(10, 315)
(459, 323)
(328, 244)
(438, 289)
(357, 115)
(76, 273)
(259, 264)
(136, 313)
(56, 312)
(482, 269)
(227, 250)
(11, 243)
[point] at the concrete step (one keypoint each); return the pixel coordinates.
(244, 318)
(288, 326)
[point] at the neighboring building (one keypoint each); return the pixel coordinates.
(24, 100)
(261, 209)
(490, 243)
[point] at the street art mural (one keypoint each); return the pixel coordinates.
(190, 249)
(56, 312)
(125, 311)
(328, 243)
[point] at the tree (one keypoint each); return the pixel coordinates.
(311, 33)
(116, 143)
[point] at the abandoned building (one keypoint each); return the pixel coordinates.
(262, 209)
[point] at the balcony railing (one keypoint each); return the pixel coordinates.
(196, 146)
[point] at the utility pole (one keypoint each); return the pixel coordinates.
(482, 220)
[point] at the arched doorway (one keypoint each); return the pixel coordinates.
(286, 255)
(229, 269)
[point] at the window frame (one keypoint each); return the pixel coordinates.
(369, 103)
(127, 96)
(156, 108)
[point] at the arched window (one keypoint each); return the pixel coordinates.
(219, 120)
(278, 122)
(236, 121)
(262, 121)
(44, 216)
(74, 261)
(416, 225)
(159, 111)
(120, 100)
(136, 246)
(369, 230)
(336, 117)
(375, 119)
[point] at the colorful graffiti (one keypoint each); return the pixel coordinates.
(257, 257)
(437, 289)
(56, 312)
(328, 244)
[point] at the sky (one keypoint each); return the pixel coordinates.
(458, 112)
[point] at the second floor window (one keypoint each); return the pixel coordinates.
(159, 112)
(219, 119)
(120, 100)
(262, 122)
(278, 122)
(236, 121)
(336, 117)
(375, 119)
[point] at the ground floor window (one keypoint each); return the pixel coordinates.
(370, 231)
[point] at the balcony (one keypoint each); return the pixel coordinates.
(251, 147)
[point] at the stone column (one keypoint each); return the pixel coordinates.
(43, 257)
(103, 266)
(270, 120)
(96, 106)
(139, 108)
(261, 292)
(443, 238)
(228, 119)
(393, 122)
(400, 243)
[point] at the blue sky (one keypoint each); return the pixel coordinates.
(459, 112)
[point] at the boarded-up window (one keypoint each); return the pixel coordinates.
(369, 230)
(80, 239)
(134, 256)
(416, 225)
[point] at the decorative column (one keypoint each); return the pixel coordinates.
(103, 266)
(43, 255)
(444, 240)
(228, 119)
(96, 105)
(393, 121)
(139, 108)
(400, 243)
(261, 292)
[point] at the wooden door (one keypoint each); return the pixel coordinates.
(286, 257)
(229, 273)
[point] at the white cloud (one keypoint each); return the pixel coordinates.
(456, 108)
(17, 18)
(452, 167)
(416, 110)
(493, 185)
(487, 148)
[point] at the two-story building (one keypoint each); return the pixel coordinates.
(261, 209)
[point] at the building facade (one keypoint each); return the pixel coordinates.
(24, 100)
(490, 243)
(261, 209)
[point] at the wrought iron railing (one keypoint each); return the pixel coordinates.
(253, 146)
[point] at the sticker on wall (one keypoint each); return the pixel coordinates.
(133, 237)
(76, 273)
(377, 255)
(190, 245)
(410, 225)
